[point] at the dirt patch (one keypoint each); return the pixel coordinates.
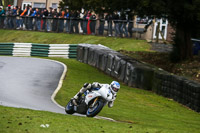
(189, 69)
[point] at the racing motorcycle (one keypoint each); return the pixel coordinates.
(91, 103)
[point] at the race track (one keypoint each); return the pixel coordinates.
(29, 83)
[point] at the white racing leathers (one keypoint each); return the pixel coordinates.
(96, 85)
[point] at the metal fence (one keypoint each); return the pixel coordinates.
(117, 28)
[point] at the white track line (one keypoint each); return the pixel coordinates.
(59, 84)
(59, 87)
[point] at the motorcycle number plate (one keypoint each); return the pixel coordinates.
(90, 96)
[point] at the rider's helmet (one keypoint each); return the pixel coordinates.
(115, 86)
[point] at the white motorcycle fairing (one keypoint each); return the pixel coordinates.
(92, 102)
(103, 92)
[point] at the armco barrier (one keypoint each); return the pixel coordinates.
(43, 50)
(141, 75)
(6, 49)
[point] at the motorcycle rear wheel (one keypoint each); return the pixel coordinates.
(93, 111)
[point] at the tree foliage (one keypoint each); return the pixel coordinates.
(7, 2)
(183, 15)
(99, 5)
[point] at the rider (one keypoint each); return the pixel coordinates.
(114, 87)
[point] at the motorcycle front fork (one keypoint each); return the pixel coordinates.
(94, 101)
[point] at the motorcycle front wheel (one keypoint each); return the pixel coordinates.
(94, 110)
(69, 109)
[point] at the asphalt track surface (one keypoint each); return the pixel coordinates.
(29, 83)
(32, 83)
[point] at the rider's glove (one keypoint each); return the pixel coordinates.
(95, 85)
(110, 104)
(87, 85)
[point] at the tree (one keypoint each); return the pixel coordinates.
(183, 15)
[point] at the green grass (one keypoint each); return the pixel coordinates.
(63, 38)
(143, 110)
(146, 111)
(14, 120)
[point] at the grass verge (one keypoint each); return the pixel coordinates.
(63, 38)
(30, 121)
(138, 49)
(143, 110)
(146, 111)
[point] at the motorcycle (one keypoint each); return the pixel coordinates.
(91, 103)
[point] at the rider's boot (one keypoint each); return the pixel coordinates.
(76, 97)
(82, 90)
